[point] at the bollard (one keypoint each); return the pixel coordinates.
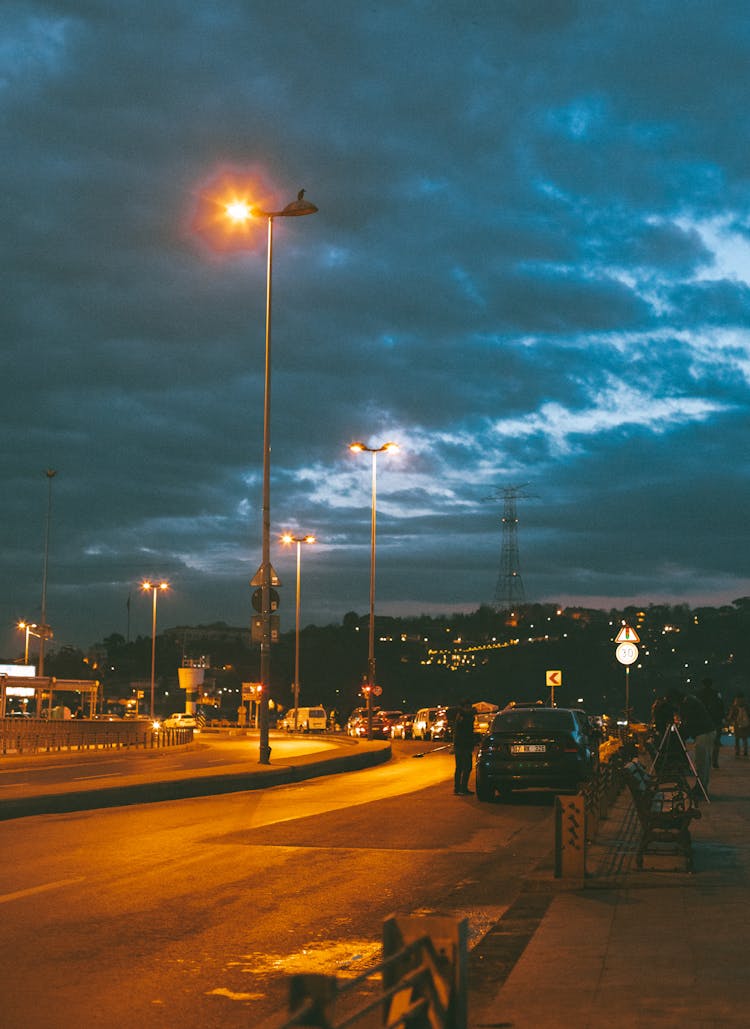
(570, 837)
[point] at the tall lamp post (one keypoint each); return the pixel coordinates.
(45, 632)
(359, 448)
(240, 211)
(153, 588)
(29, 627)
(299, 540)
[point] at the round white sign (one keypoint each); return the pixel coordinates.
(627, 653)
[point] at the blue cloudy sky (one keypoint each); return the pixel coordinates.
(530, 266)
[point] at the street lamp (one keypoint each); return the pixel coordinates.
(45, 632)
(29, 627)
(239, 211)
(299, 540)
(359, 448)
(154, 587)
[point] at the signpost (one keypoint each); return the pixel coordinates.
(553, 678)
(627, 654)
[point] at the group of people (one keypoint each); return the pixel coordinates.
(700, 716)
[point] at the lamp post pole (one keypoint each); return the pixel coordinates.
(44, 629)
(240, 211)
(358, 448)
(29, 627)
(299, 540)
(154, 588)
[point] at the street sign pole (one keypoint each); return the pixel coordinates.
(553, 678)
(627, 653)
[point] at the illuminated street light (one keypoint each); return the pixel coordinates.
(45, 633)
(29, 628)
(240, 211)
(359, 448)
(154, 588)
(299, 540)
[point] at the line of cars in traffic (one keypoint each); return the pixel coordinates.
(428, 723)
(526, 745)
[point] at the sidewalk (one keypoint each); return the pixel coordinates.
(636, 948)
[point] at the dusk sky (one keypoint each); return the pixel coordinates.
(530, 267)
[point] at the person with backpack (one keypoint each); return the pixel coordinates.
(739, 719)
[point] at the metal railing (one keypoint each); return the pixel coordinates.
(423, 978)
(577, 817)
(41, 736)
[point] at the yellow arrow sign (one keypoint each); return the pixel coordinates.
(554, 678)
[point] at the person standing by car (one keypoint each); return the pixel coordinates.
(463, 748)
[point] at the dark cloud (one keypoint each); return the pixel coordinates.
(530, 265)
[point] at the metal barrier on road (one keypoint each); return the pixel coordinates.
(39, 736)
(423, 975)
(577, 817)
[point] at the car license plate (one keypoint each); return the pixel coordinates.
(528, 748)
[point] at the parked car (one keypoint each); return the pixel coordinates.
(390, 718)
(535, 747)
(357, 725)
(180, 720)
(304, 719)
(402, 728)
(442, 727)
(423, 722)
(483, 716)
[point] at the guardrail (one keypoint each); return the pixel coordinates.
(423, 978)
(38, 735)
(577, 817)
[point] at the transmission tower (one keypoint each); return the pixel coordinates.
(509, 591)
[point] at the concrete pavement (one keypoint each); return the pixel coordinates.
(638, 948)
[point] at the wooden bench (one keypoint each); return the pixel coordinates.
(665, 809)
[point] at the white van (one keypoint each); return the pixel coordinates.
(423, 722)
(304, 719)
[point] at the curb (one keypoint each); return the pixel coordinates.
(185, 788)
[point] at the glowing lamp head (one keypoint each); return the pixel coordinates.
(238, 211)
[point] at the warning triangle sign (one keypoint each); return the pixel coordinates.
(257, 579)
(627, 635)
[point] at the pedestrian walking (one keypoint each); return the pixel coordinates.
(711, 700)
(739, 718)
(463, 747)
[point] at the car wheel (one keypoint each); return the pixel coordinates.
(485, 792)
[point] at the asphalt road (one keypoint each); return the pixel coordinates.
(192, 913)
(74, 769)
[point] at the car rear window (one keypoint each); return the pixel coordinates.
(317, 712)
(544, 719)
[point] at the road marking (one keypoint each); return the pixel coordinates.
(20, 894)
(104, 775)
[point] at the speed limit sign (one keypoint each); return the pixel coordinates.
(626, 653)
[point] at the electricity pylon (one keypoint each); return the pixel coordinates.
(509, 591)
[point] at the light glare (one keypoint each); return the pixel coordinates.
(238, 211)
